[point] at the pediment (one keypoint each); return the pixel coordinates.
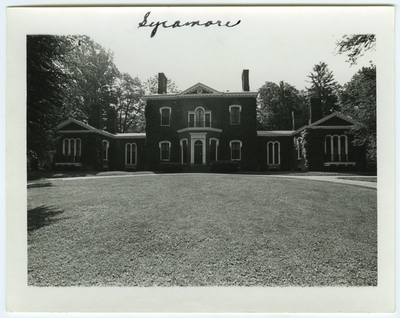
(199, 89)
(335, 119)
(72, 124)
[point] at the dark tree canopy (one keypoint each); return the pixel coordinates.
(275, 105)
(356, 45)
(358, 101)
(324, 86)
(130, 107)
(46, 83)
(92, 79)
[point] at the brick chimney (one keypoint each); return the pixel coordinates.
(297, 119)
(315, 109)
(111, 124)
(162, 83)
(245, 81)
(96, 117)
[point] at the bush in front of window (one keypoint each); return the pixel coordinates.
(171, 167)
(225, 166)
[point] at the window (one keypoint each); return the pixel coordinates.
(236, 147)
(208, 119)
(184, 150)
(72, 149)
(165, 116)
(336, 148)
(130, 154)
(105, 147)
(199, 118)
(273, 153)
(299, 148)
(235, 110)
(191, 120)
(213, 149)
(165, 150)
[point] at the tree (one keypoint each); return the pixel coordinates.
(355, 46)
(324, 86)
(45, 88)
(130, 107)
(92, 79)
(275, 105)
(151, 86)
(358, 101)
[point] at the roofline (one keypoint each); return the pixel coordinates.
(337, 114)
(194, 96)
(90, 129)
(199, 84)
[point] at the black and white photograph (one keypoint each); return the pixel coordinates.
(228, 151)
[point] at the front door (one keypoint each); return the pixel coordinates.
(198, 152)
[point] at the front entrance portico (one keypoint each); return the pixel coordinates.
(198, 148)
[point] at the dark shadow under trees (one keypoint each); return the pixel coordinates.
(42, 216)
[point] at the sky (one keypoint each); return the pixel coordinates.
(273, 43)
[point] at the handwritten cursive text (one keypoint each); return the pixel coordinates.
(178, 24)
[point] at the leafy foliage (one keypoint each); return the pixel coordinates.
(45, 91)
(276, 103)
(130, 107)
(324, 86)
(358, 101)
(92, 78)
(356, 45)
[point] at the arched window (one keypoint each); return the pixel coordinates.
(273, 153)
(130, 154)
(336, 148)
(72, 149)
(199, 118)
(184, 150)
(235, 110)
(105, 147)
(236, 150)
(165, 150)
(214, 149)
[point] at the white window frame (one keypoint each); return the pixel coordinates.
(240, 149)
(191, 112)
(107, 147)
(181, 143)
(169, 150)
(230, 113)
(299, 147)
(74, 154)
(169, 118)
(217, 146)
(126, 152)
(331, 146)
(273, 153)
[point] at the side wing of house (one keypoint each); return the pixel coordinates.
(83, 147)
(327, 144)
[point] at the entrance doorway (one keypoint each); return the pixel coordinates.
(198, 152)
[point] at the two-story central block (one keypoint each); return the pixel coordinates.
(201, 125)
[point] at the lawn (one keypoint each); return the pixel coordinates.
(201, 230)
